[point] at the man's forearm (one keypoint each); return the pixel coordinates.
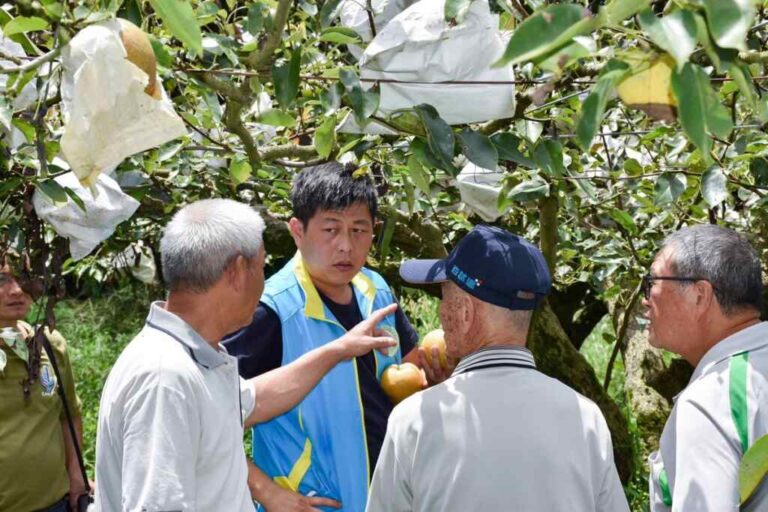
(279, 390)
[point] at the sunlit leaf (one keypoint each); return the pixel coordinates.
(180, 19)
(713, 186)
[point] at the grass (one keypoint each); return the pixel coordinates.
(96, 331)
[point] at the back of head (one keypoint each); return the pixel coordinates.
(724, 258)
(331, 186)
(203, 238)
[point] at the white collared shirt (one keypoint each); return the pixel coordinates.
(700, 447)
(498, 435)
(170, 425)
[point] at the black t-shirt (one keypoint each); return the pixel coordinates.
(259, 349)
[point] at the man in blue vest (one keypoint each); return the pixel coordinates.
(323, 452)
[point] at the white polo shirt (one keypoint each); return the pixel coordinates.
(701, 446)
(170, 431)
(498, 435)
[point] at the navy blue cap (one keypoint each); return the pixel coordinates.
(493, 265)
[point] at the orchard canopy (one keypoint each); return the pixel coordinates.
(591, 128)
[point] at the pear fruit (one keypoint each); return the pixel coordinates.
(399, 381)
(139, 51)
(435, 338)
(650, 90)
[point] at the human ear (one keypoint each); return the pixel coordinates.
(296, 227)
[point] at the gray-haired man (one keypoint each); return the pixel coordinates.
(703, 296)
(173, 408)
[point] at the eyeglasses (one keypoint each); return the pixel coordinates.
(648, 280)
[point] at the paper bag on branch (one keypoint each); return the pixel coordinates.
(114, 104)
(480, 189)
(106, 206)
(418, 45)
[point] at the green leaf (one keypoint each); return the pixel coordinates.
(508, 147)
(340, 35)
(759, 170)
(675, 33)
(540, 33)
(440, 138)
(729, 21)
(699, 107)
(179, 18)
(420, 150)
(24, 127)
(285, 74)
(330, 99)
(478, 149)
(275, 117)
(530, 190)
(325, 137)
(53, 191)
(24, 24)
(455, 10)
(594, 106)
(743, 78)
(75, 198)
(162, 54)
(669, 186)
(722, 58)
(408, 121)
(239, 171)
(257, 14)
(548, 156)
(328, 12)
(753, 468)
(363, 103)
(418, 174)
(624, 220)
(713, 188)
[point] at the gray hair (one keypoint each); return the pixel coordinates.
(724, 258)
(203, 238)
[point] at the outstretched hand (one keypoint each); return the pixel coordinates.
(366, 335)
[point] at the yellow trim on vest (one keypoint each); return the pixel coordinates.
(299, 469)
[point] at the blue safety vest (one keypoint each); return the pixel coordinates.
(319, 448)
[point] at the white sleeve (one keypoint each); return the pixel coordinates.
(161, 432)
(706, 463)
(247, 398)
(390, 487)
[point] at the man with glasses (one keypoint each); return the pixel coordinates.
(703, 298)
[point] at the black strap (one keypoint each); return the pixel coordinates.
(67, 413)
(498, 365)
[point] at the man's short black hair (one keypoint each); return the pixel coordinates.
(331, 186)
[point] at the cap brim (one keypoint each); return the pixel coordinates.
(423, 271)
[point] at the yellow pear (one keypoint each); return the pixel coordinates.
(650, 90)
(399, 381)
(435, 338)
(140, 53)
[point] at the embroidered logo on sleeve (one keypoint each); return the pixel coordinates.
(47, 379)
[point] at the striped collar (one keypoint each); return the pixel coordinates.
(496, 356)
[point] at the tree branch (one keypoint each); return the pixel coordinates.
(33, 64)
(261, 58)
(224, 88)
(754, 57)
(288, 151)
(234, 122)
